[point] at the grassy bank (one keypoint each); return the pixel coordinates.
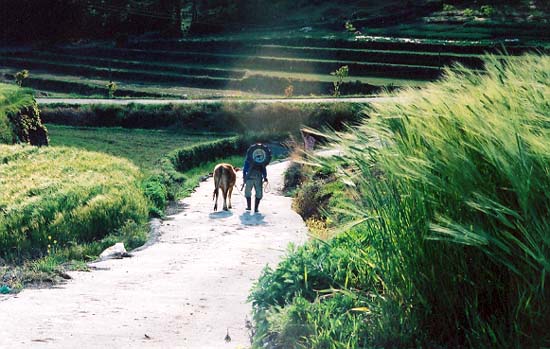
(63, 195)
(449, 246)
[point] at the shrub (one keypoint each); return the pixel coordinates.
(111, 89)
(340, 74)
(20, 76)
(297, 302)
(468, 12)
(69, 195)
(487, 10)
(309, 199)
(155, 189)
(289, 91)
(448, 8)
(293, 176)
(19, 117)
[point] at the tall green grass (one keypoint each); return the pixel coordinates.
(450, 196)
(64, 195)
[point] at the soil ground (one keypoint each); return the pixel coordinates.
(185, 291)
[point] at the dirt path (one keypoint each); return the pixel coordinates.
(185, 291)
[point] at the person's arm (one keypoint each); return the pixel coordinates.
(245, 169)
(264, 173)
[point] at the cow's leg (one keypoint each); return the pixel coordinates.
(224, 194)
(215, 199)
(216, 187)
(229, 193)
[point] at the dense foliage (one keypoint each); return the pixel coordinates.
(19, 117)
(448, 188)
(63, 195)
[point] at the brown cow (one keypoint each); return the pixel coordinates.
(225, 176)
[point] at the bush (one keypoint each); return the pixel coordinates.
(295, 305)
(20, 77)
(449, 197)
(111, 89)
(20, 118)
(293, 176)
(69, 195)
(310, 199)
(155, 189)
(340, 74)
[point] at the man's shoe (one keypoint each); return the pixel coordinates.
(248, 200)
(257, 203)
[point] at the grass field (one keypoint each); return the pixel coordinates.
(144, 148)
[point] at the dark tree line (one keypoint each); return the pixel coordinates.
(60, 20)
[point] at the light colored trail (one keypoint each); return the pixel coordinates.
(185, 291)
(82, 101)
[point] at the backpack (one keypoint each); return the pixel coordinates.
(258, 155)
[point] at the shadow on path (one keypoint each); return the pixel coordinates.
(220, 214)
(248, 218)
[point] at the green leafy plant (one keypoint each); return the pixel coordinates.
(448, 8)
(350, 27)
(340, 74)
(468, 12)
(21, 76)
(487, 10)
(111, 89)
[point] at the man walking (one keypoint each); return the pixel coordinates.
(255, 173)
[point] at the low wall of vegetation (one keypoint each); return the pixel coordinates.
(19, 117)
(443, 212)
(236, 117)
(186, 158)
(54, 198)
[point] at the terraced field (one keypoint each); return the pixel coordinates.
(211, 68)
